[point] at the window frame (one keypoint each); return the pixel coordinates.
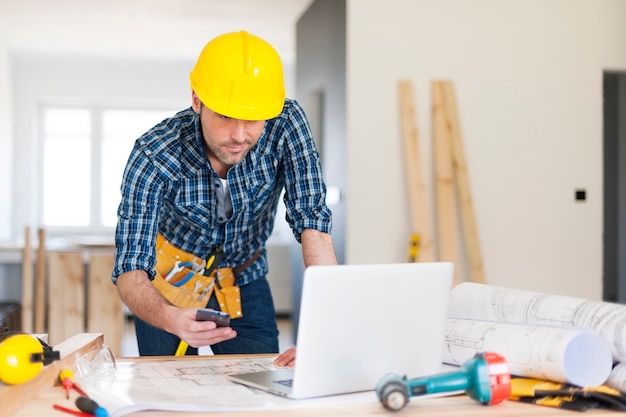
(96, 111)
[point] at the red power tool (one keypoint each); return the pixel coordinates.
(485, 378)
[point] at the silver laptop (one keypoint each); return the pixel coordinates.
(359, 322)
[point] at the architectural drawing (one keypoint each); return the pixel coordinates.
(196, 384)
(579, 357)
(486, 302)
(617, 379)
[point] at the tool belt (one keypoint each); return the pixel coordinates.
(553, 394)
(182, 281)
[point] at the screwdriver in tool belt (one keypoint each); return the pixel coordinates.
(212, 262)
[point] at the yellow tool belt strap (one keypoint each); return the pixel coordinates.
(184, 287)
(554, 394)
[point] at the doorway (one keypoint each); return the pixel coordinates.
(614, 251)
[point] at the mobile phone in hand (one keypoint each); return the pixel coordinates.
(220, 318)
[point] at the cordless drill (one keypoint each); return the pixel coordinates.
(485, 378)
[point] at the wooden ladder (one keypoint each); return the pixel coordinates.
(450, 175)
(421, 239)
(451, 170)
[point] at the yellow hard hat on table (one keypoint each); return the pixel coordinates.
(239, 75)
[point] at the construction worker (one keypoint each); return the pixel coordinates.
(206, 183)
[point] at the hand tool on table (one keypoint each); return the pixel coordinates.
(67, 380)
(70, 411)
(485, 378)
(89, 406)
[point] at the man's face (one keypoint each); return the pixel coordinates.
(227, 140)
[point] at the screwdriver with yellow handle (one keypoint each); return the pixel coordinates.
(213, 262)
(182, 348)
(67, 380)
(220, 318)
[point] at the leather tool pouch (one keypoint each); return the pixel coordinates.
(188, 288)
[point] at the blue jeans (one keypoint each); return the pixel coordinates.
(257, 331)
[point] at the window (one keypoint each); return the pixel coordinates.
(84, 151)
(66, 150)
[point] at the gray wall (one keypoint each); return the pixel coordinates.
(320, 88)
(614, 260)
(528, 82)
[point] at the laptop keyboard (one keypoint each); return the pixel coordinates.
(285, 382)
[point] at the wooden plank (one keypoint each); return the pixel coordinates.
(104, 307)
(418, 199)
(15, 397)
(28, 284)
(67, 295)
(40, 307)
(444, 181)
(470, 230)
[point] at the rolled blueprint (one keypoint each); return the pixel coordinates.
(565, 355)
(617, 379)
(485, 302)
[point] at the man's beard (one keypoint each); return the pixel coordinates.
(226, 157)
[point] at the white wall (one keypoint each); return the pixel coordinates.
(6, 145)
(528, 78)
(41, 79)
(47, 78)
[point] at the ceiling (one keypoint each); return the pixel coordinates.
(163, 29)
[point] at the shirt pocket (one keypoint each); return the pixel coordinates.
(262, 187)
(193, 202)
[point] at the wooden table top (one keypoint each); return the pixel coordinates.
(457, 405)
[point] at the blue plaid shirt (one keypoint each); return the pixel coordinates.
(170, 187)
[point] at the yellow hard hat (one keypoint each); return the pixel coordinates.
(239, 75)
(20, 358)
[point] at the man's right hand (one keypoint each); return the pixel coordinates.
(198, 333)
(145, 301)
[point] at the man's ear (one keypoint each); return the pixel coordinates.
(195, 102)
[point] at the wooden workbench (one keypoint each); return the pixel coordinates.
(48, 392)
(16, 397)
(457, 406)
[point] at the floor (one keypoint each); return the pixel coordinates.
(129, 340)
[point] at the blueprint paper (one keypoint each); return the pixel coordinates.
(490, 303)
(482, 302)
(574, 356)
(617, 379)
(195, 385)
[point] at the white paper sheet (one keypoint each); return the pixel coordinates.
(195, 385)
(617, 378)
(472, 301)
(504, 305)
(579, 357)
